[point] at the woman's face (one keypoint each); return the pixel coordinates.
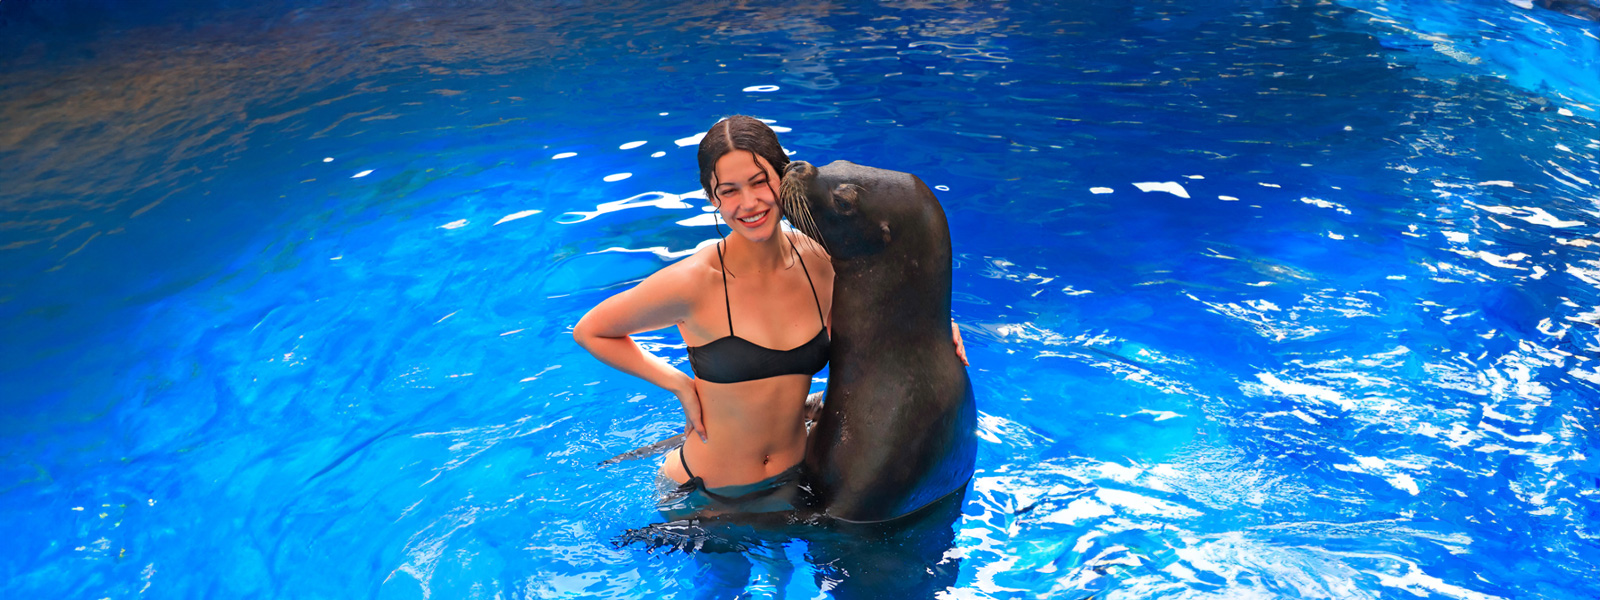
(744, 187)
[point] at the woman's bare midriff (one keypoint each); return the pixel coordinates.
(756, 430)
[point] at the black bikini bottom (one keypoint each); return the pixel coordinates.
(692, 498)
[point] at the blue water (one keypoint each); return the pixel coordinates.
(286, 289)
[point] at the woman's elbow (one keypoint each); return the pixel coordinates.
(583, 333)
(587, 333)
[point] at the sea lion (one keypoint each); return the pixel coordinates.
(897, 430)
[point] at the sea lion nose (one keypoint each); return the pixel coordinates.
(801, 169)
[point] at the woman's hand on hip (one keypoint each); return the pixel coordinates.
(690, 399)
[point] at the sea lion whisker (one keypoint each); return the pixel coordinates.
(792, 198)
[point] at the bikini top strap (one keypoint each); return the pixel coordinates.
(725, 303)
(814, 297)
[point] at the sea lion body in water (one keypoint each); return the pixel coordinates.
(897, 429)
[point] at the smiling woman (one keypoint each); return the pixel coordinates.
(746, 401)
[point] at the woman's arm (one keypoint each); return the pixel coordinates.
(661, 300)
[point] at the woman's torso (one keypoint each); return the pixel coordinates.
(756, 428)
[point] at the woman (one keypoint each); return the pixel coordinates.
(753, 310)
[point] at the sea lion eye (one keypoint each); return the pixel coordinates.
(845, 198)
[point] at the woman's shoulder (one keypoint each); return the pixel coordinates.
(693, 271)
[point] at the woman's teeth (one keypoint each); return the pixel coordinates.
(752, 219)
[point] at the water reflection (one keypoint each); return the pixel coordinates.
(663, 200)
(165, 109)
(1365, 370)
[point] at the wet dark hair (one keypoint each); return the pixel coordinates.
(738, 132)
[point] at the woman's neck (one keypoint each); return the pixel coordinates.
(742, 255)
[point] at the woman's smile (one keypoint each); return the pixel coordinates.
(755, 220)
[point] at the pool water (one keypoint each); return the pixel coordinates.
(1262, 298)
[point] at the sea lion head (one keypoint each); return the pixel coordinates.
(857, 211)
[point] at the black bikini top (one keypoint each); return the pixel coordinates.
(734, 359)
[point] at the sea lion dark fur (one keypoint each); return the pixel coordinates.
(897, 429)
